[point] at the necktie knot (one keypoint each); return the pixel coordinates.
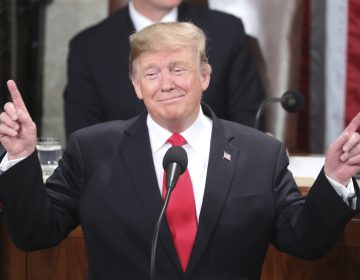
(176, 140)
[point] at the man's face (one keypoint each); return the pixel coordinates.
(171, 85)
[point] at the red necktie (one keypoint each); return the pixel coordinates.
(181, 212)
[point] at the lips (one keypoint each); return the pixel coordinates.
(170, 99)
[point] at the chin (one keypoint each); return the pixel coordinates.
(173, 116)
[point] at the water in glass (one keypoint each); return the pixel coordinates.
(49, 152)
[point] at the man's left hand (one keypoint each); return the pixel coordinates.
(342, 160)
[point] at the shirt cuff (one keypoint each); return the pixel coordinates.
(347, 193)
(7, 164)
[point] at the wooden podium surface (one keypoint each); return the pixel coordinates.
(68, 260)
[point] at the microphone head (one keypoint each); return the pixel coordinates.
(176, 154)
(292, 101)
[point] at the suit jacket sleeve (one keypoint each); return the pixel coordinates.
(307, 229)
(41, 215)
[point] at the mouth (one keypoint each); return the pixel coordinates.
(170, 99)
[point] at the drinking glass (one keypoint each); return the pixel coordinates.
(49, 151)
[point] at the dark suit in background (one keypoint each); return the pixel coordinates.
(108, 185)
(99, 88)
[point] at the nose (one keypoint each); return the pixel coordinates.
(167, 83)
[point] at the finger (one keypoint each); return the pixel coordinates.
(337, 146)
(16, 96)
(354, 160)
(355, 150)
(353, 125)
(7, 131)
(10, 110)
(6, 120)
(353, 140)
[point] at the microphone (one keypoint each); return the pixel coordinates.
(292, 101)
(174, 163)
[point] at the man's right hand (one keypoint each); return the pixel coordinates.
(17, 129)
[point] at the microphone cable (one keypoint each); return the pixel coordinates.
(156, 234)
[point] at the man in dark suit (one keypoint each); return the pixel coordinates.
(99, 88)
(109, 179)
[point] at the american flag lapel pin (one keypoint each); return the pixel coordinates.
(227, 156)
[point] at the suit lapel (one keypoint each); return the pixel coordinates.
(221, 169)
(136, 145)
(136, 151)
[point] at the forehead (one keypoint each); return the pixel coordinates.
(170, 56)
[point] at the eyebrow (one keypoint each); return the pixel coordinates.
(152, 65)
(171, 64)
(175, 63)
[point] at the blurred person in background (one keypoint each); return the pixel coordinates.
(99, 89)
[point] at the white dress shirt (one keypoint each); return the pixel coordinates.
(198, 137)
(141, 22)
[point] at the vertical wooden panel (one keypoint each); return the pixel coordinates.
(12, 260)
(47, 264)
(68, 261)
(76, 256)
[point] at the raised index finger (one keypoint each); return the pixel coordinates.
(16, 96)
(354, 125)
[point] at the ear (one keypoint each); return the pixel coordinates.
(205, 80)
(137, 87)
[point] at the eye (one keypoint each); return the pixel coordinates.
(178, 70)
(152, 74)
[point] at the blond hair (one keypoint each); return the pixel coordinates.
(170, 35)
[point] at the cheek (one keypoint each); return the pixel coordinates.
(196, 85)
(185, 84)
(150, 89)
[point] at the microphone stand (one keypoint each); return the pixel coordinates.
(262, 107)
(156, 234)
(292, 101)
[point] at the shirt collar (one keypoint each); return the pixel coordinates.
(195, 135)
(141, 22)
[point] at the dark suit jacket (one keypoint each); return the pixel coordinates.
(99, 88)
(106, 182)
